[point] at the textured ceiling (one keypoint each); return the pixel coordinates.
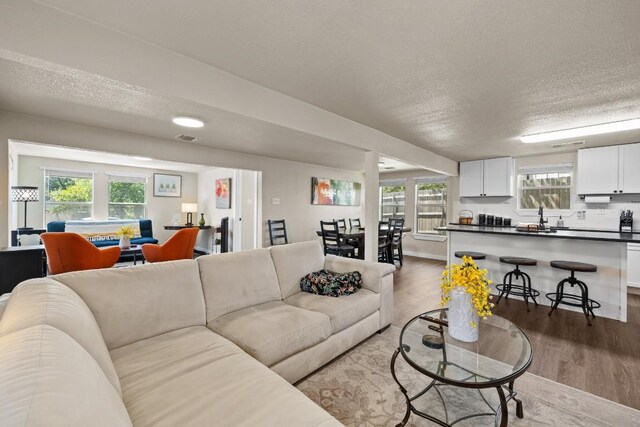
(463, 79)
(57, 92)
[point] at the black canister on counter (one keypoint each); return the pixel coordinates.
(482, 219)
(490, 220)
(497, 221)
(506, 222)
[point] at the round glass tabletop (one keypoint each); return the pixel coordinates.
(501, 354)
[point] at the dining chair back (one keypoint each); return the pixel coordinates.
(342, 223)
(383, 241)
(179, 246)
(71, 252)
(354, 222)
(277, 232)
(331, 241)
(396, 226)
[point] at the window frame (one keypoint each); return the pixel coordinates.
(146, 194)
(61, 173)
(392, 183)
(549, 168)
(445, 205)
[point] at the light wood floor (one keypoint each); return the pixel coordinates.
(603, 359)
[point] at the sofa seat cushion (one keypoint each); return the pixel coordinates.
(194, 376)
(343, 311)
(273, 331)
(137, 241)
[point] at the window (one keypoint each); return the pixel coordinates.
(68, 195)
(127, 197)
(431, 204)
(391, 199)
(549, 187)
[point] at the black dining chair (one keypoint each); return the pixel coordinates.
(384, 254)
(277, 232)
(331, 240)
(354, 223)
(396, 226)
(342, 223)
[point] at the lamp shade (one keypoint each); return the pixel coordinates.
(21, 193)
(189, 207)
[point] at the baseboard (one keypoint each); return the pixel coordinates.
(633, 289)
(425, 255)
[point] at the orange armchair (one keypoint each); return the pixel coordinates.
(179, 246)
(71, 252)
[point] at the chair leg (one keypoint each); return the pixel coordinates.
(585, 300)
(559, 294)
(528, 278)
(504, 287)
(525, 290)
(400, 256)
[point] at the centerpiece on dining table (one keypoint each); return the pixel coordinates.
(126, 233)
(466, 291)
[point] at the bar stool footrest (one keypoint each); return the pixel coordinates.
(553, 296)
(520, 290)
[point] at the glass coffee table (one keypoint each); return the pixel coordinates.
(501, 354)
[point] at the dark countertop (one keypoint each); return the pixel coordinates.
(606, 236)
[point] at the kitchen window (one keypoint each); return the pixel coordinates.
(68, 195)
(431, 204)
(392, 199)
(127, 197)
(549, 187)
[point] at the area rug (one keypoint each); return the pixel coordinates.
(357, 389)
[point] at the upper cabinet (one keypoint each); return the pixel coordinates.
(609, 170)
(487, 178)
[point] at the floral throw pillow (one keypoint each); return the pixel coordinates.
(330, 283)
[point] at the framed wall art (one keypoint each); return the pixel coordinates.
(223, 193)
(326, 191)
(167, 185)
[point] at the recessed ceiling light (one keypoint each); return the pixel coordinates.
(190, 122)
(142, 158)
(583, 131)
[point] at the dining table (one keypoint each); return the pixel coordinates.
(356, 234)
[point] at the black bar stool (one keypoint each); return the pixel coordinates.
(559, 297)
(524, 290)
(473, 255)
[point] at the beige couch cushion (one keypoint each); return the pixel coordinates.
(195, 377)
(47, 302)
(294, 261)
(234, 281)
(48, 379)
(134, 303)
(4, 300)
(273, 331)
(343, 311)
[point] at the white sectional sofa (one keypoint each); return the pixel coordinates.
(210, 342)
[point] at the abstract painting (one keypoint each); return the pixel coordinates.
(223, 193)
(167, 185)
(326, 191)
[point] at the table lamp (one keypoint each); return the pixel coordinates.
(189, 208)
(21, 193)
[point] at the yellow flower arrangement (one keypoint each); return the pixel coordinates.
(126, 231)
(472, 280)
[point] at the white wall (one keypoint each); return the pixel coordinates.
(289, 181)
(597, 216)
(160, 210)
(415, 245)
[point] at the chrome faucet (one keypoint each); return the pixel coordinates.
(542, 220)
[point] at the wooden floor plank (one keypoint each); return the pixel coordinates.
(603, 359)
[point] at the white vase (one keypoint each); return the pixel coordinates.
(461, 315)
(125, 242)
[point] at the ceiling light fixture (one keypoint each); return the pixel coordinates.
(582, 131)
(189, 122)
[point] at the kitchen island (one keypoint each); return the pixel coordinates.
(606, 250)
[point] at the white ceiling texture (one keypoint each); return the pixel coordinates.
(461, 79)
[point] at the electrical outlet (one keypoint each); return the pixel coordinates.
(582, 215)
(275, 201)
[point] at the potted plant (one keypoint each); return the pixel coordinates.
(126, 233)
(465, 289)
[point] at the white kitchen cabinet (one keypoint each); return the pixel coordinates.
(633, 265)
(487, 178)
(609, 170)
(629, 176)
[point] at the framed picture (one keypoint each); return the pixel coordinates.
(326, 191)
(223, 193)
(167, 185)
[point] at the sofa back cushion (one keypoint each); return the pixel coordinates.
(233, 281)
(294, 261)
(48, 379)
(134, 303)
(47, 302)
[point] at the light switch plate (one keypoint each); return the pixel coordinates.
(275, 201)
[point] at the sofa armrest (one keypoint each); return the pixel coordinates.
(372, 272)
(4, 300)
